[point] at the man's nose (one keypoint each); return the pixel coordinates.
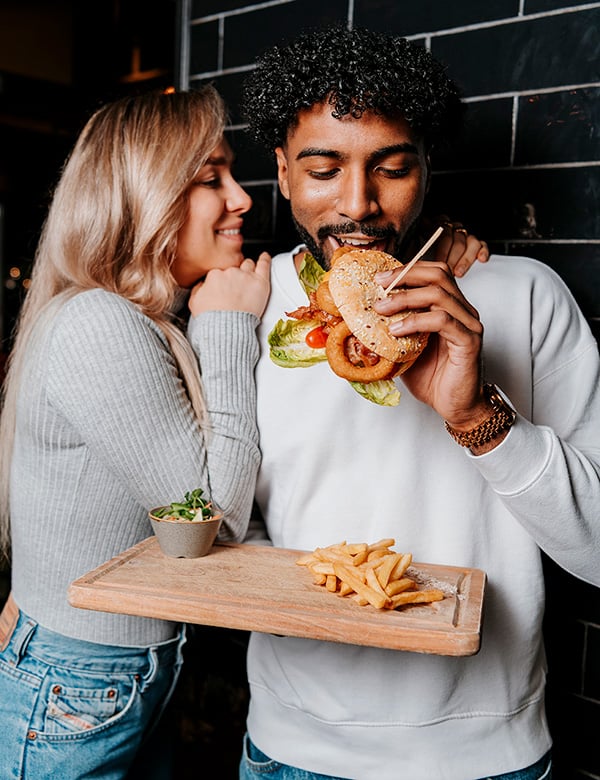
(357, 198)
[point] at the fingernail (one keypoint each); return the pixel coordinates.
(382, 305)
(396, 328)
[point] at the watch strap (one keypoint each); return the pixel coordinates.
(501, 420)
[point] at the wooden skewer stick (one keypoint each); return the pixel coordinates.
(408, 266)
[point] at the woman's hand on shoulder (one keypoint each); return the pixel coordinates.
(458, 248)
(243, 288)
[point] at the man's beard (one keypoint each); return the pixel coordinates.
(399, 243)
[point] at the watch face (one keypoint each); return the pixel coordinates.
(493, 395)
(496, 399)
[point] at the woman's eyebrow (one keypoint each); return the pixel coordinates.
(221, 160)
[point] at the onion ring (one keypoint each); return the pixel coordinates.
(340, 365)
(325, 300)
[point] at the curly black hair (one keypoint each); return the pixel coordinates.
(354, 71)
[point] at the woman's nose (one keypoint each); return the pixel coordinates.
(238, 199)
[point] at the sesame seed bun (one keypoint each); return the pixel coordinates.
(354, 291)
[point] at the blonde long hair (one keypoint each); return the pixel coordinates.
(113, 224)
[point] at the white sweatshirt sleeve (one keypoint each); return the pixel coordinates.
(547, 470)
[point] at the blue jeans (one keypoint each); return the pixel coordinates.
(255, 765)
(72, 709)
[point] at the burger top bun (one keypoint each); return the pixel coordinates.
(354, 291)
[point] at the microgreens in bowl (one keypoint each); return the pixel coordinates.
(192, 507)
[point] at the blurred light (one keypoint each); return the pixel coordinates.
(26, 283)
(14, 272)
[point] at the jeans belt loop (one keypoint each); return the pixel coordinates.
(152, 669)
(154, 658)
(18, 636)
(8, 621)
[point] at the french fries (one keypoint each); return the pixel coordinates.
(368, 573)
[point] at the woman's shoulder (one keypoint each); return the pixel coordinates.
(81, 304)
(98, 308)
(97, 317)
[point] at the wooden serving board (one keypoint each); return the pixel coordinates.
(256, 588)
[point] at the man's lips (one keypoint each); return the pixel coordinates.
(357, 242)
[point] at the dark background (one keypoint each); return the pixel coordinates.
(60, 60)
(531, 76)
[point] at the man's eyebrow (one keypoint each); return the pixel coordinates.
(377, 154)
(316, 152)
(387, 151)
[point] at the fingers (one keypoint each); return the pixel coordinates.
(473, 250)
(483, 255)
(263, 265)
(459, 248)
(238, 288)
(458, 330)
(428, 287)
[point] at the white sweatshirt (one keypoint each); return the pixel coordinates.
(335, 466)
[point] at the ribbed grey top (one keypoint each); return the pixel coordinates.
(105, 432)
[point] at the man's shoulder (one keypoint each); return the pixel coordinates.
(521, 263)
(288, 256)
(284, 277)
(511, 270)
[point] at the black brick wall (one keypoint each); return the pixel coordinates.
(530, 74)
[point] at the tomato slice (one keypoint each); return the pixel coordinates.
(316, 338)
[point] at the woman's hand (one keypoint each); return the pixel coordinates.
(457, 247)
(243, 288)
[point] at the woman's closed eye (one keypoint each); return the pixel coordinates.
(213, 183)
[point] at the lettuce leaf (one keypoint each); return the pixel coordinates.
(288, 347)
(310, 274)
(383, 392)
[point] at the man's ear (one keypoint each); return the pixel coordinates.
(428, 172)
(282, 172)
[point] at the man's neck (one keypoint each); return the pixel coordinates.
(299, 257)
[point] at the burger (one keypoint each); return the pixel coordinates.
(340, 325)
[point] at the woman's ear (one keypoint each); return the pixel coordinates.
(282, 172)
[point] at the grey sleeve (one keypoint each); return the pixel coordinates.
(114, 380)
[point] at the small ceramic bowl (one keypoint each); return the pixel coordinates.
(185, 538)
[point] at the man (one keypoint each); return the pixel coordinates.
(352, 118)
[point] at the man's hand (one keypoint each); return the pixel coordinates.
(447, 375)
(245, 288)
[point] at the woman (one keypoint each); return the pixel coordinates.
(106, 416)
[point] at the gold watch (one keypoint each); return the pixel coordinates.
(501, 420)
